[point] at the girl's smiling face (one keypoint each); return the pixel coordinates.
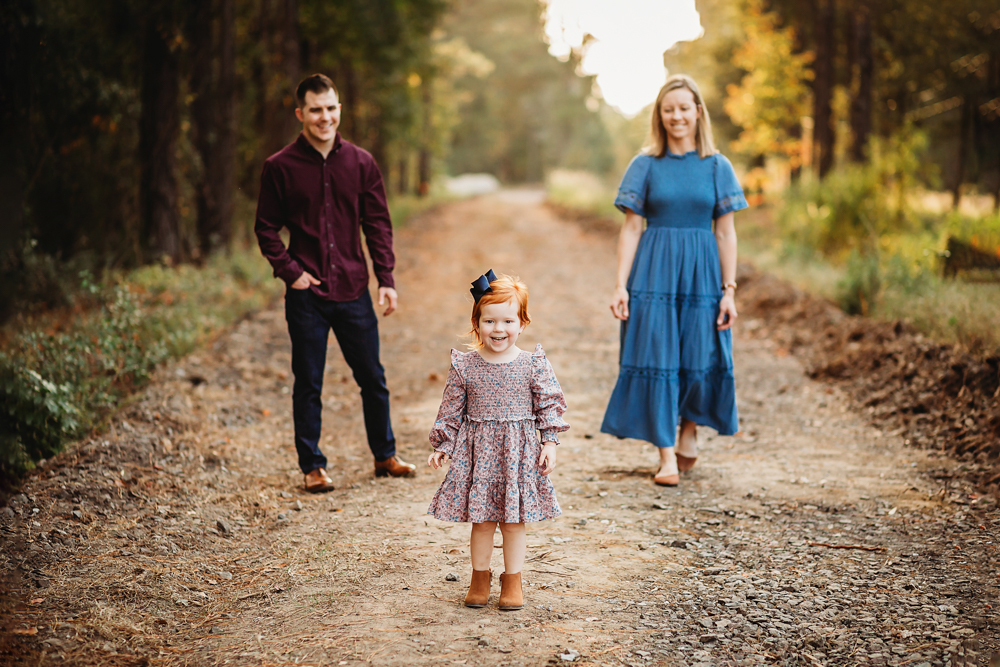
(499, 327)
(679, 113)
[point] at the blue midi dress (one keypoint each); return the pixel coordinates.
(673, 361)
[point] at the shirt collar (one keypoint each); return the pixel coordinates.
(309, 149)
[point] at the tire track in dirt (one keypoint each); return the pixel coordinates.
(209, 553)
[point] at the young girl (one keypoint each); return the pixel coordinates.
(496, 397)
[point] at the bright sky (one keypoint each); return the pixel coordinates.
(631, 36)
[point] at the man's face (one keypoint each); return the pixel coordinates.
(320, 115)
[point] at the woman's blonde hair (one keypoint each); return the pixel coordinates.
(656, 145)
(502, 290)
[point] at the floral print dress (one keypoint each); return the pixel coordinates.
(487, 424)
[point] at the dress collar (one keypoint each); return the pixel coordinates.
(680, 157)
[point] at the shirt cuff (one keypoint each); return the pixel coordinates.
(290, 273)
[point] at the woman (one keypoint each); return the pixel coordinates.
(676, 285)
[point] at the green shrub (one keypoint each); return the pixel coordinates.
(858, 203)
(59, 378)
(862, 283)
(54, 386)
(980, 232)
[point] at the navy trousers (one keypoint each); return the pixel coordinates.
(355, 325)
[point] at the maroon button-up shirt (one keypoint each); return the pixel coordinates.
(325, 203)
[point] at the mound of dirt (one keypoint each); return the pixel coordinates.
(935, 396)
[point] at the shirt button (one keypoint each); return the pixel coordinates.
(331, 245)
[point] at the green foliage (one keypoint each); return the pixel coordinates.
(857, 204)
(774, 93)
(981, 232)
(528, 115)
(38, 416)
(53, 385)
(61, 373)
(862, 283)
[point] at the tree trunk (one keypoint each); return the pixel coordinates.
(280, 123)
(426, 130)
(225, 173)
(158, 130)
(375, 134)
(403, 184)
(964, 132)
(823, 136)
(213, 79)
(861, 105)
(291, 68)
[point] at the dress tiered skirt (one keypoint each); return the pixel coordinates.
(674, 362)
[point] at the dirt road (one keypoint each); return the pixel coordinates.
(182, 538)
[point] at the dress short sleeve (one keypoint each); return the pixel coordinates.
(728, 191)
(632, 191)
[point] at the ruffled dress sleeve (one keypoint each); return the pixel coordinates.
(728, 191)
(452, 410)
(632, 191)
(548, 402)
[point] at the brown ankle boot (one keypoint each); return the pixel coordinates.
(479, 589)
(511, 595)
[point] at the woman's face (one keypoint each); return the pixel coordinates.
(680, 114)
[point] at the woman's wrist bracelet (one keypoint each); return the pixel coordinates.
(731, 283)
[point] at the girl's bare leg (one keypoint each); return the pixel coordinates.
(481, 544)
(515, 545)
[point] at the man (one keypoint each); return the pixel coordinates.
(326, 191)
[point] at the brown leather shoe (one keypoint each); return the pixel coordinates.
(394, 467)
(511, 593)
(318, 482)
(479, 589)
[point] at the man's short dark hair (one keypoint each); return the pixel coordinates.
(316, 83)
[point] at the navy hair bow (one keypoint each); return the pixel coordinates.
(481, 285)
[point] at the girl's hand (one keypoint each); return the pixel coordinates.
(547, 459)
(436, 459)
(619, 303)
(727, 311)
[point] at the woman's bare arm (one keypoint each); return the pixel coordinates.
(725, 236)
(628, 242)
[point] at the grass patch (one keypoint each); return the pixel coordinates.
(904, 283)
(403, 208)
(583, 192)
